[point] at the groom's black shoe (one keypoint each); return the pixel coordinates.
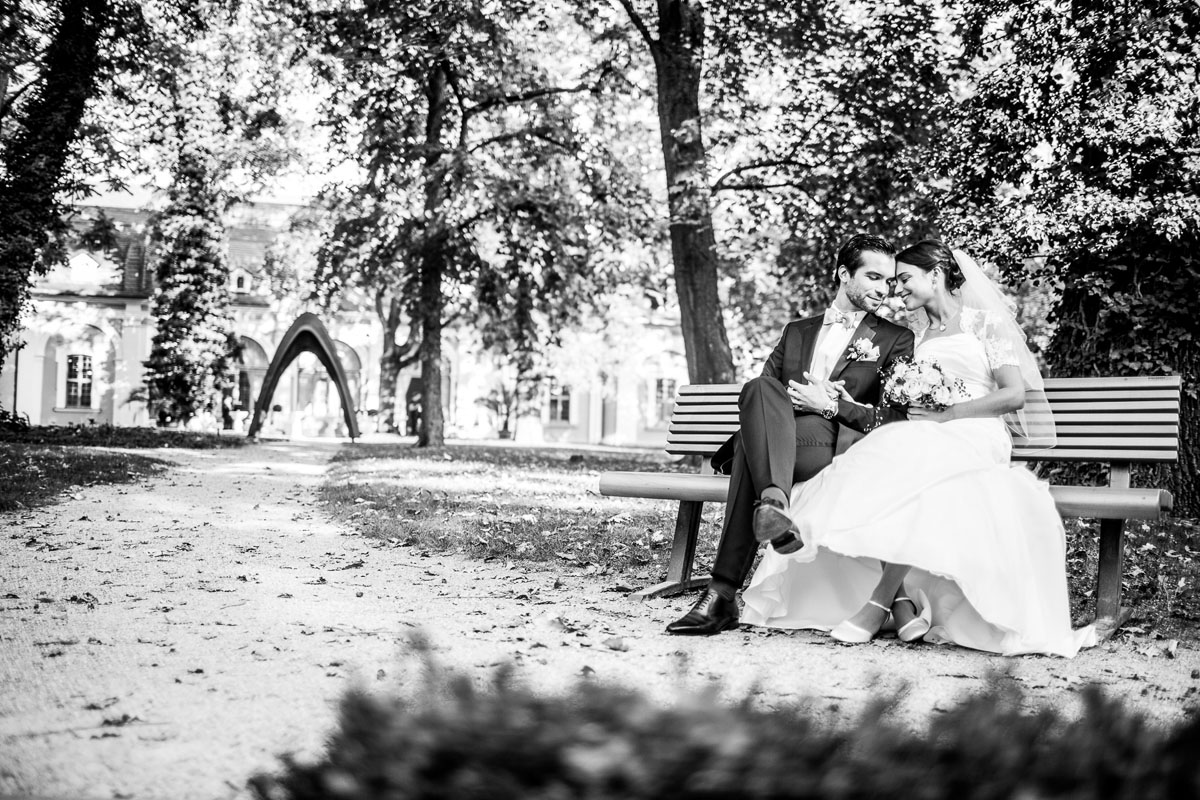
(772, 524)
(711, 614)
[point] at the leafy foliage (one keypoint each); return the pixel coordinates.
(52, 62)
(482, 196)
(819, 114)
(214, 136)
(447, 737)
(192, 351)
(1072, 154)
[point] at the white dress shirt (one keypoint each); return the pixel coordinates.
(832, 341)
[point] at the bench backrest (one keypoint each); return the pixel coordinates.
(1097, 419)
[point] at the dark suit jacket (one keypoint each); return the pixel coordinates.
(793, 356)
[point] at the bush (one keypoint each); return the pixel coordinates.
(453, 740)
(10, 421)
(113, 436)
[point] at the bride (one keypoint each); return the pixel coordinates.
(927, 520)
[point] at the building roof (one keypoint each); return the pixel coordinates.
(125, 270)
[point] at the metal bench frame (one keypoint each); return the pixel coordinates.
(1117, 421)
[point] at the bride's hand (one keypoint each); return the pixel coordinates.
(930, 415)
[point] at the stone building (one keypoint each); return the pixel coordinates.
(90, 331)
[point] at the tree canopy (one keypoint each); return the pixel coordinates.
(1071, 158)
(485, 191)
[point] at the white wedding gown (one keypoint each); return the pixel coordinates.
(982, 535)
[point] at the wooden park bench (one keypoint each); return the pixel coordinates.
(1118, 421)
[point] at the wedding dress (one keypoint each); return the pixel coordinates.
(983, 536)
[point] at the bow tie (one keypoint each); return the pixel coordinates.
(833, 316)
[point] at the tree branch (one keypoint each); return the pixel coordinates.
(719, 183)
(535, 94)
(504, 137)
(754, 186)
(12, 98)
(636, 19)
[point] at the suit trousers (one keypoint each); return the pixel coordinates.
(776, 446)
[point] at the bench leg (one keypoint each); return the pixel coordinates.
(683, 550)
(1109, 614)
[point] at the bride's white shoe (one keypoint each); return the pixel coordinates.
(919, 625)
(847, 631)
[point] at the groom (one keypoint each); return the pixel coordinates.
(819, 392)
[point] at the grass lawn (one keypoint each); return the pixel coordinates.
(541, 504)
(40, 463)
(524, 504)
(37, 475)
(112, 436)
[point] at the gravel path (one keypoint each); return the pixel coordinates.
(169, 639)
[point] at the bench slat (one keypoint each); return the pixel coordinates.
(1097, 455)
(1098, 502)
(1109, 406)
(708, 427)
(711, 388)
(1107, 382)
(1102, 418)
(713, 409)
(688, 449)
(722, 419)
(1152, 442)
(1058, 395)
(1115, 430)
(665, 486)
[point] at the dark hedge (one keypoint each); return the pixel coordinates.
(457, 741)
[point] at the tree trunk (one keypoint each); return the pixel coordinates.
(389, 365)
(678, 59)
(432, 432)
(36, 152)
(1185, 477)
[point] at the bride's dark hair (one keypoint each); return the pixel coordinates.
(928, 254)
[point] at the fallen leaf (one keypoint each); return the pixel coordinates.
(102, 704)
(118, 722)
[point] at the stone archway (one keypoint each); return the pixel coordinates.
(306, 334)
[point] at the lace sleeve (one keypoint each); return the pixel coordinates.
(999, 349)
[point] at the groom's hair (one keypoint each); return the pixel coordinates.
(850, 254)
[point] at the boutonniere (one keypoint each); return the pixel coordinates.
(863, 350)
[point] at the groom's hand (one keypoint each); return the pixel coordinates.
(834, 389)
(811, 397)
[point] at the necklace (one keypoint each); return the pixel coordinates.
(942, 325)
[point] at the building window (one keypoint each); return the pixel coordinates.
(79, 381)
(239, 281)
(663, 402)
(560, 403)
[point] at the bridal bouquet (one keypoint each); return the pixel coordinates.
(920, 383)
